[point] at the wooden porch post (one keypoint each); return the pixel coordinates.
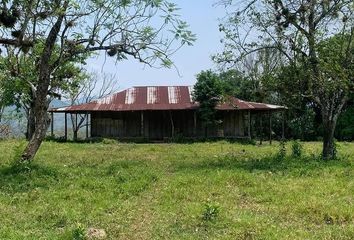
(66, 128)
(261, 129)
(270, 128)
(75, 130)
(142, 123)
(172, 125)
(249, 124)
(87, 125)
(52, 124)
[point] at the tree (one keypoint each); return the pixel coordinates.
(208, 92)
(298, 29)
(20, 81)
(93, 87)
(251, 77)
(290, 84)
(145, 30)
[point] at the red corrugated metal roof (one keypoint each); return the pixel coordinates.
(159, 98)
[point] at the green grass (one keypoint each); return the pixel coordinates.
(176, 191)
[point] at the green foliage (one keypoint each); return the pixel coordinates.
(302, 123)
(19, 73)
(320, 61)
(79, 233)
(208, 91)
(109, 141)
(211, 212)
(336, 55)
(17, 153)
(281, 151)
(236, 84)
(296, 149)
(345, 127)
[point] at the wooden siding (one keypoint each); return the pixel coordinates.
(159, 125)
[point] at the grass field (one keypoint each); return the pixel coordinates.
(176, 191)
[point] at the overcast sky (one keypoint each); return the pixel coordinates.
(202, 17)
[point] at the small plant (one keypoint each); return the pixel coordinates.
(178, 138)
(211, 212)
(109, 141)
(17, 155)
(282, 150)
(79, 233)
(297, 149)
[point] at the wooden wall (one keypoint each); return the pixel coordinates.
(157, 125)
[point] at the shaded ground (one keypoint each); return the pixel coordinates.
(145, 191)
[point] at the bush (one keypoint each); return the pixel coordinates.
(211, 212)
(109, 141)
(296, 149)
(282, 150)
(79, 233)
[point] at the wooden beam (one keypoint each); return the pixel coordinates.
(52, 124)
(236, 126)
(141, 123)
(172, 125)
(66, 128)
(261, 129)
(75, 129)
(87, 125)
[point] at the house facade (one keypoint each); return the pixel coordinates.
(164, 112)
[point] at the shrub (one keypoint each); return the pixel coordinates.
(211, 212)
(297, 149)
(282, 150)
(79, 233)
(109, 141)
(17, 154)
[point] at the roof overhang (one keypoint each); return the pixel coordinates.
(161, 98)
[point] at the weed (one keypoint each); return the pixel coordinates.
(296, 149)
(109, 141)
(79, 233)
(17, 152)
(211, 211)
(281, 151)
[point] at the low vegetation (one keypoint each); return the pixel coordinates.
(214, 190)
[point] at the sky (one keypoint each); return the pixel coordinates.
(202, 16)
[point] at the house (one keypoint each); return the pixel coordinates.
(163, 112)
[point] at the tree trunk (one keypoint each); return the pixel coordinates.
(42, 123)
(75, 135)
(41, 103)
(1, 113)
(31, 123)
(328, 150)
(75, 126)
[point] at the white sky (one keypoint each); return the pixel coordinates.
(202, 17)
